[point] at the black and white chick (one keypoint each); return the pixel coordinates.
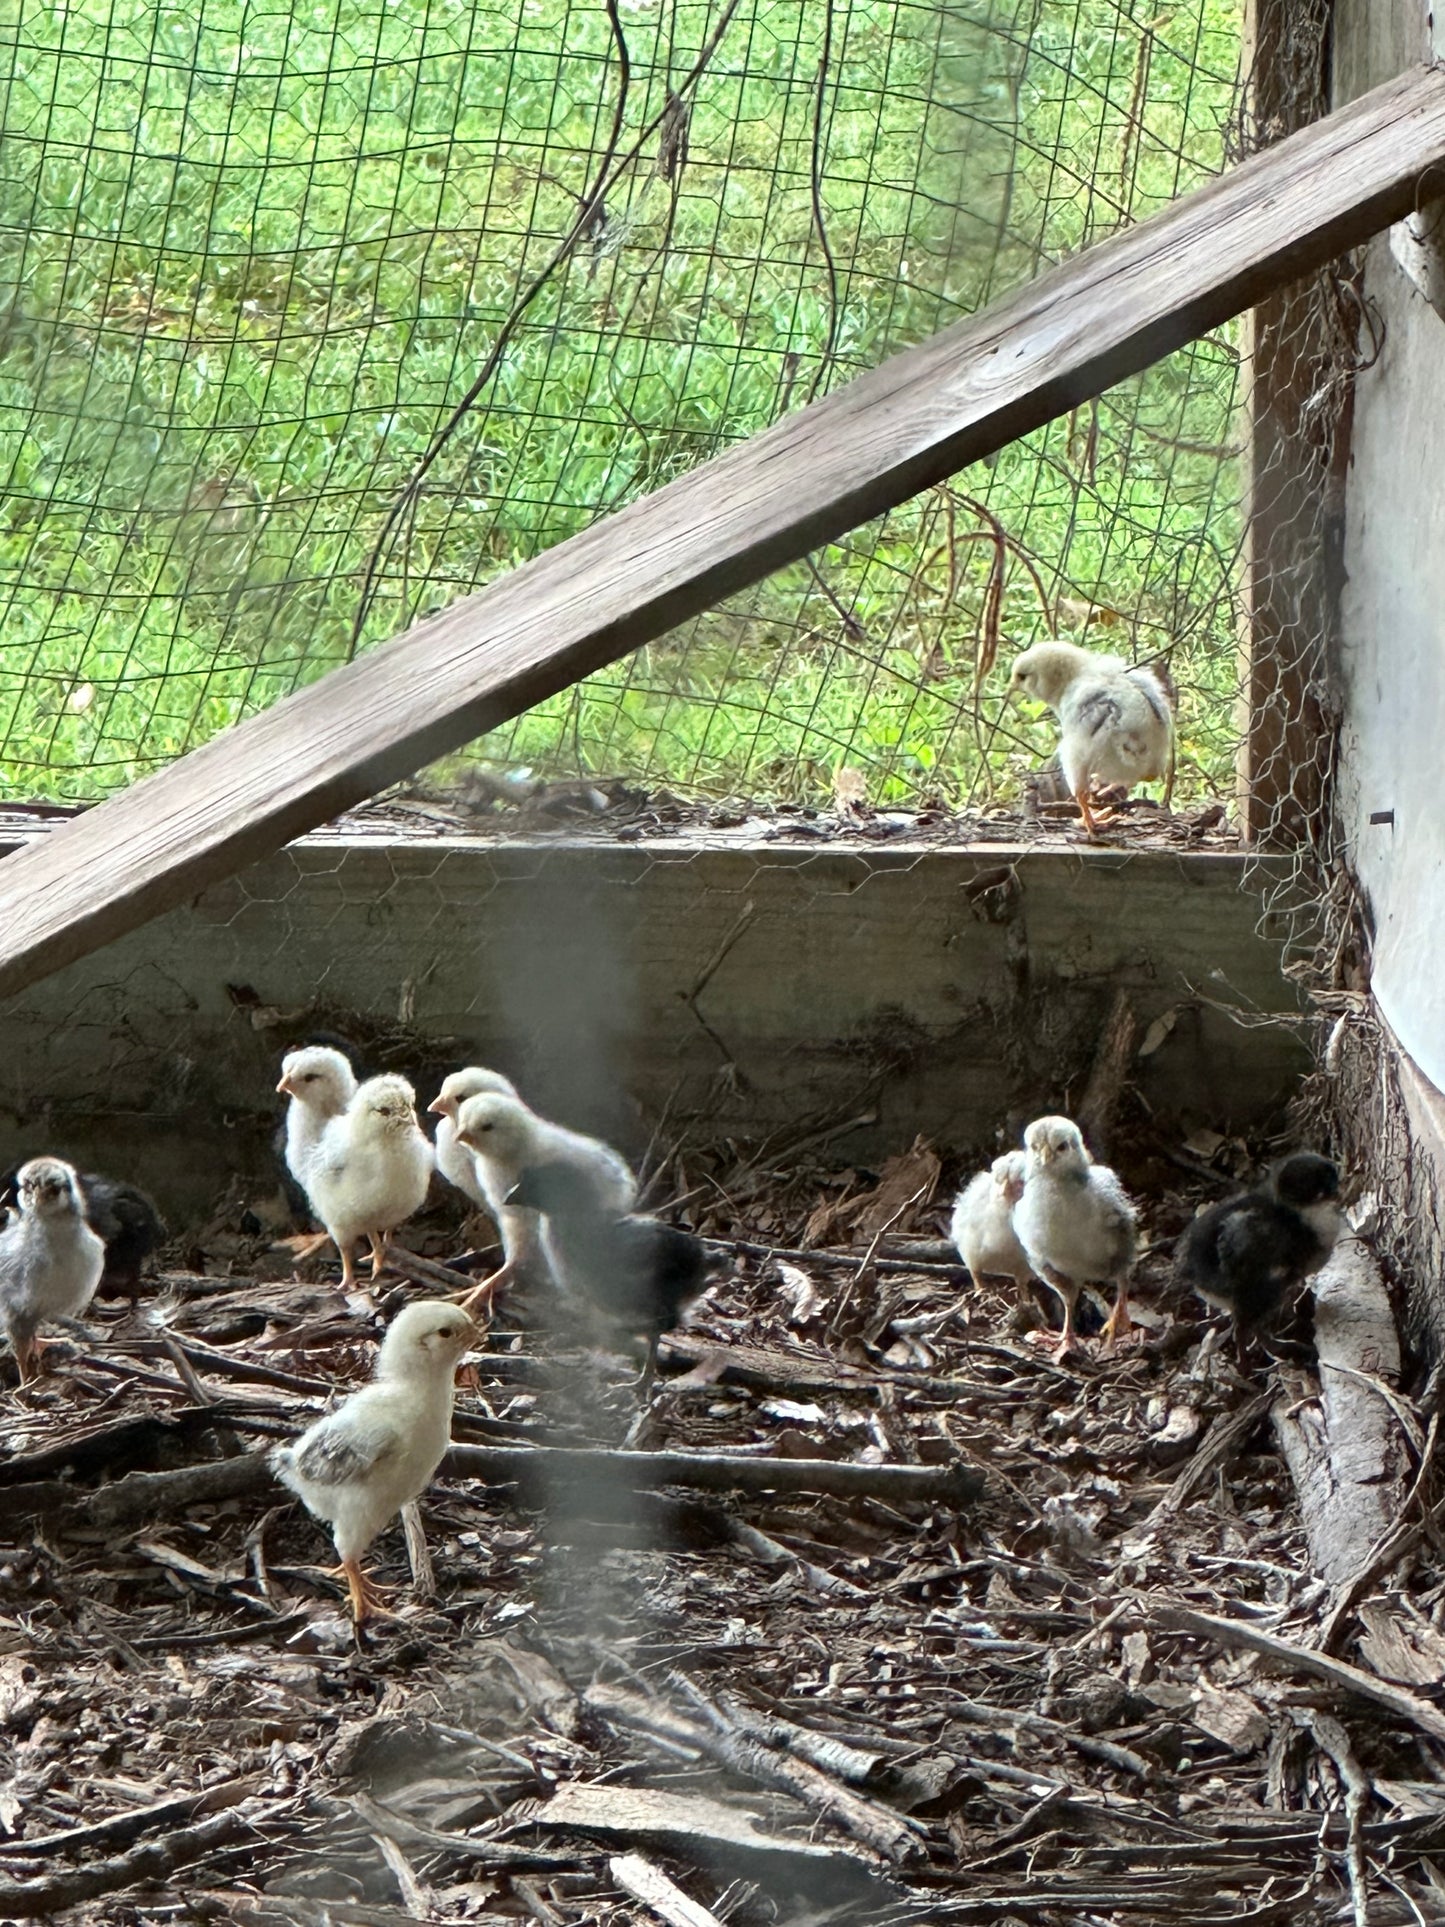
(478, 1179)
(1249, 1254)
(1076, 1222)
(507, 1138)
(50, 1259)
(637, 1272)
(121, 1215)
(1116, 721)
(357, 1467)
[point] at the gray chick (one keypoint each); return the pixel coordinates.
(50, 1259)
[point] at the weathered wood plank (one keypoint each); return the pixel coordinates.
(631, 577)
(869, 981)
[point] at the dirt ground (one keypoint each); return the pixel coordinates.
(915, 1699)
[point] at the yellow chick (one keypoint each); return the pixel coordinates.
(357, 1467)
(1076, 1222)
(982, 1225)
(1116, 723)
(507, 1139)
(518, 1228)
(50, 1259)
(370, 1171)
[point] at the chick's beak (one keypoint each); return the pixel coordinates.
(286, 1088)
(442, 1107)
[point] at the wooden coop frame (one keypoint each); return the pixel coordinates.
(918, 418)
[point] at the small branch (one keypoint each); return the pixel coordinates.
(37, 1899)
(1236, 1635)
(1332, 1738)
(835, 1260)
(746, 1749)
(538, 1467)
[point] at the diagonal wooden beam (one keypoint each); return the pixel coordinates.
(919, 417)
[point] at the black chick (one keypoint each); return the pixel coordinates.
(1250, 1253)
(640, 1273)
(121, 1216)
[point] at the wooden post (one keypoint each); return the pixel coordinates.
(1297, 426)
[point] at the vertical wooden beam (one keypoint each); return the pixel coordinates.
(1295, 419)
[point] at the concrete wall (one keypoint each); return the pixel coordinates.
(737, 989)
(1393, 663)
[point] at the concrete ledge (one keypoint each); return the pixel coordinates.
(737, 990)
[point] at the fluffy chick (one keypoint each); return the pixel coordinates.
(1076, 1223)
(1116, 722)
(357, 1467)
(50, 1259)
(640, 1273)
(519, 1230)
(320, 1083)
(507, 1139)
(121, 1215)
(1249, 1253)
(370, 1171)
(982, 1225)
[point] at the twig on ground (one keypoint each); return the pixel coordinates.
(1237, 1635)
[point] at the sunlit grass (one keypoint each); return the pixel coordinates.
(251, 259)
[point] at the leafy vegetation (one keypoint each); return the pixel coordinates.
(253, 257)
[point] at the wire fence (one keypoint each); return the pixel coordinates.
(314, 320)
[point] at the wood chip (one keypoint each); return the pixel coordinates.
(651, 1886)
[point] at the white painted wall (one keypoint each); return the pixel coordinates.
(1393, 642)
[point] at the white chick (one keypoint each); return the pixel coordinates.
(507, 1139)
(50, 1259)
(1076, 1223)
(1116, 723)
(320, 1084)
(519, 1229)
(357, 1467)
(370, 1171)
(982, 1224)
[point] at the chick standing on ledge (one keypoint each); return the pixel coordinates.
(357, 1467)
(370, 1171)
(508, 1139)
(1248, 1253)
(1116, 723)
(50, 1259)
(518, 1229)
(982, 1225)
(320, 1084)
(1076, 1223)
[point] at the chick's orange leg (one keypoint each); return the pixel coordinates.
(1068, 1294)
(305, 1245)
(368, 1601)
(348, 1266)
(1119, 1325)
(480, 1298)
(377, 1241)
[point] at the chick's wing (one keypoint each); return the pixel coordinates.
(340, 1450)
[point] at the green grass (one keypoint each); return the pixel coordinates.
(251, 257)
